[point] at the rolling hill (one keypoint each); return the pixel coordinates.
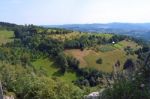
(139, 30)
(55, 63)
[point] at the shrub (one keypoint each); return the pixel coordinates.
(128, 89)
(133, 87)
(99, 61)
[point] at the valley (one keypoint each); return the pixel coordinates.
(57, 63)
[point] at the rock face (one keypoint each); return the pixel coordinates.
(1, 91)
(95, 95)
(8, 97)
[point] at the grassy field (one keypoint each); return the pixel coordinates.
(45, 65)
(69, 76)
(109, 54)
(6, 36)
(75, 35)
(132, 44)
(105, 35)
(68, 36)
(109, 59)
(106, 48)
(48, 67)
(118, 46)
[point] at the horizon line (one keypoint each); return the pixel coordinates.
(78, 23)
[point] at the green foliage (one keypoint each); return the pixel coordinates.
(6, 36)
(117, 38)
(99, 61)
(88, 40)
(73, 63)
(129, 50)
(58, 31)
(89, 77)
(136, 88)
(106, 48)
(50, 46)
(15, 55)
(30, 77)
(62, 61)
(25, 85)
(128, 64)
(119, 46)
(44, 66)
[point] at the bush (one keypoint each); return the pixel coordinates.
(89, 76)
(128, 89)
(99, 61)
(26, 86)
(132, 87)
(128, 64)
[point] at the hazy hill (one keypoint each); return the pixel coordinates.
(140, 30)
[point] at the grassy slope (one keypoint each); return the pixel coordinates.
(109, 59)
(51, 70)
(43, 65)
(69, 36)
(74, 35)
(110, 54)
(6, 36)
(125, 43)
(46, 65)
(87, 57)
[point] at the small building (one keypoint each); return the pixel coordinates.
(113, 42)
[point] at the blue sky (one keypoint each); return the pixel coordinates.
(74, 11)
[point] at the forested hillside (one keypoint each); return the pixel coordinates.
(139, 30)
(53, 63)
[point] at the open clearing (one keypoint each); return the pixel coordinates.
(47, 66)
(111, 54)
(75, 35)
(6, 36)
(68, 36)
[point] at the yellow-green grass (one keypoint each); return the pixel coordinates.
(118, 46)
(79, 55)
(46, 65)
(75, 35)
(6, 36)
(51, 69)
(108, 59)
(130, 43)
(105, 35)
(69, 76)
(106, 48)
(111, 54)
(68, 36)
(51, 30)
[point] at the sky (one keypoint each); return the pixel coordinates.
(56, 12)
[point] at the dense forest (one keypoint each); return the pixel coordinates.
(29, 43)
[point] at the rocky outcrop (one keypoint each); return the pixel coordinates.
(94, 95)
(8, 97)
(1, 91)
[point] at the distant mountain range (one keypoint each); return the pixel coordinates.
(139, 30)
